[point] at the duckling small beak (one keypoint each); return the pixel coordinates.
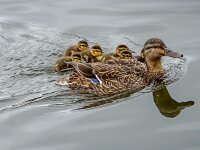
(170, 53)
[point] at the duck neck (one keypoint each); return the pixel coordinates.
(154, 67)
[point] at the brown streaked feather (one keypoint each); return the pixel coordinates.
(83, 69)
(116, 78)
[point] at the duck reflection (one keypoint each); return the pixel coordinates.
(167, 106)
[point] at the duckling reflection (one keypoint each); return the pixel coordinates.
(167, 106)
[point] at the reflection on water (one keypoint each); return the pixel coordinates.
(167, 106)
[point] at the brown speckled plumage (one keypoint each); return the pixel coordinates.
(124, 75)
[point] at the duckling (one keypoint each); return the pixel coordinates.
(61, 64)
(115, 55)
(125, 54)
(81, 46)
(123, 76)
(92, 55)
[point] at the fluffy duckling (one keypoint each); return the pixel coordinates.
(81, 46)
(92, 55)
(61, 64)
(115, 55)
(126, 54)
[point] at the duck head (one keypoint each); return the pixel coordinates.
(153, 50)
(96, 51)
(126, 54)
(76, 57)
(82, 45)
(121, 48)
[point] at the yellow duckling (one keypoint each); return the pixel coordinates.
(81, 46)
(123, 76)
(115, 55)
(92, 55)
(125, 54)
(61, 64)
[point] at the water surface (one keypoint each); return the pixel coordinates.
(37, 114)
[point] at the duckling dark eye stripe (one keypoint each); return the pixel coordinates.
(76, 58)
(83, 45)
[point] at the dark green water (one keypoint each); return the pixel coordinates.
(36, 114)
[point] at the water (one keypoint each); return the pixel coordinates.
(37, 114)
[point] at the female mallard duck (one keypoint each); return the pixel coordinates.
(92, 55)
(121, 76)
(115, 55)
(81, 46)
(61, 62)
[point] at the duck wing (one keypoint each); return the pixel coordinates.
(86, 70)
(83, 69)
(98, 72)
(117, 69)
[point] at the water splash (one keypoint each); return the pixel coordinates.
(175, 68)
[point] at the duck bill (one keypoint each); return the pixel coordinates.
(173, 54)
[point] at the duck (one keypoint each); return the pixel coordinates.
(103, 79)
(92, 55)
(115, 55)
(61, 64)
(81, 46)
